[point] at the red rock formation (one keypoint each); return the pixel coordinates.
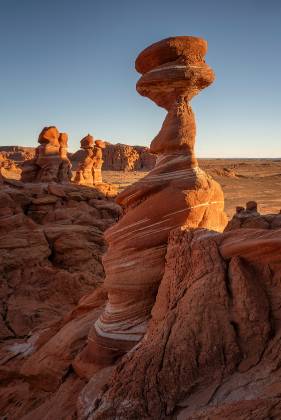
(173, 67)
(18, 153)
(176, 193)
(50, 163)
(65, 173)
(117, 157)
(122, 157)
(51, 237)
(8, 167)
(212, 348)
(251, 218)
(50, 256)
(90, 164)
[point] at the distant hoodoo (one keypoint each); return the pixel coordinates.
(89, 169)
(50, 163)
(175, 193)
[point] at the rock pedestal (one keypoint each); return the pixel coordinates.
(89, 170)
(50, 163)
(175, 193)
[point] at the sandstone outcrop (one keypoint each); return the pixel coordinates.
(175, 193)
(122, 157)
(249, 217)
(50, 256)
(212, 348)
(17, 153)
(50, 163)
(8, 167)
(51, 248)
(199, 310)
(90, 164)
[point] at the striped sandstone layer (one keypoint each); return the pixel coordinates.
(175, 193)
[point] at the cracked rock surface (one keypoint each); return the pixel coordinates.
(212, 348)
(50, 256)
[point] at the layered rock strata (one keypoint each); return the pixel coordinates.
(212, 348)
(123, 157)
(175, 193)
(50, 163)
(50, 256)
(50, 253)
(89, 168)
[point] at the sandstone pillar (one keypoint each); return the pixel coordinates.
(175, 193)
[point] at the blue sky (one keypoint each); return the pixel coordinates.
(70, 63)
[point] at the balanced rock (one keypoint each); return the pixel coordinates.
(175, 193)
(89, 169)
(172, 67)
(50, 163)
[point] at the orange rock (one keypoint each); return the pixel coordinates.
(50, 163)
(175, 193)
(212, 347)
(174, 67)
(89, 168)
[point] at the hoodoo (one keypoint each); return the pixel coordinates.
(89, 170)
(175, 193)
(50, 163)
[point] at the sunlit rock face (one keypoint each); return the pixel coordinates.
(175, 193)
(89, 169)
(50, 163)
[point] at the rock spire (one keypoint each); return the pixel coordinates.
(175, 193)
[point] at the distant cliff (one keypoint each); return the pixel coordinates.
(117, 157)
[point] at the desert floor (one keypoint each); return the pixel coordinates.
(242, 180)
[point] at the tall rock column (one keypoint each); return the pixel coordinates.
(175, 193)
(89, 169)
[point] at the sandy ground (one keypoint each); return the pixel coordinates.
(242, 180)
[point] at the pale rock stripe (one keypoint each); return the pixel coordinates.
(172, 67)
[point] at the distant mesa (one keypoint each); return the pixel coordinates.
(121, 157)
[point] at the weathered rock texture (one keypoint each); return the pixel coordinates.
(8, 168)
(50, 256)
(176, 193)
(122, 157)
(17, 153)
(51, 239)
(212, 348)
(50, 163)
(89, 168)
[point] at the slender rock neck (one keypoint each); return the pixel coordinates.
(177, 135)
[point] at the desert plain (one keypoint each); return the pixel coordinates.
(242, 180)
